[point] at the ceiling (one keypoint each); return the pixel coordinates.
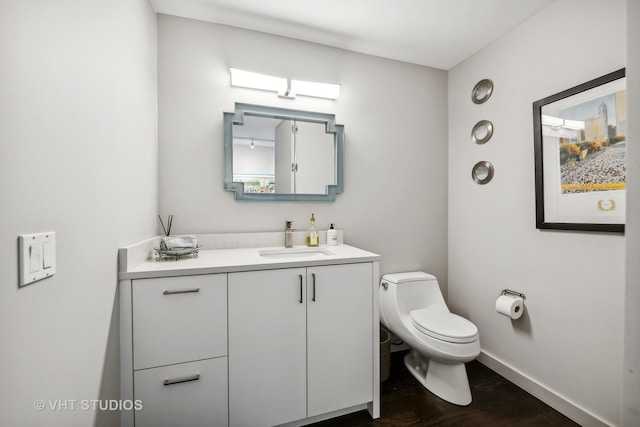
(434, 33)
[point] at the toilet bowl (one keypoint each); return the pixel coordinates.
(412, 307)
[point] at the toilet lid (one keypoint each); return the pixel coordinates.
(444, 325)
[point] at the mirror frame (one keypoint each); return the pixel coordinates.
(237, 118)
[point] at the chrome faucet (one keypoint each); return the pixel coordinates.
(288, 235)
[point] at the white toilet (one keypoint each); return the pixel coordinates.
(412, 307)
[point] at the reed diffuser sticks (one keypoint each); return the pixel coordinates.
(167, 231)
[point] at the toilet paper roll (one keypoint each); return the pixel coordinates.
(510, 305)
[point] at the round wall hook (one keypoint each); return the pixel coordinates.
(482, 91)
(482, 172)
(482, 132)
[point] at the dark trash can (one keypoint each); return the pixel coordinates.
(385, 354)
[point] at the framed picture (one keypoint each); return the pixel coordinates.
(580, 144)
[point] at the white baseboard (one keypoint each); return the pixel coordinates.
(551, 398)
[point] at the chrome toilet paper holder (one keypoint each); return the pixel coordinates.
(510, 292)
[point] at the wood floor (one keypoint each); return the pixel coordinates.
(496, 402)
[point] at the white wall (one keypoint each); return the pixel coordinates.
(395, 115)
(568, 345)
(78, 155)
(631, 366)
(253, 161)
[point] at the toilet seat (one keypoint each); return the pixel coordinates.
(444, 325)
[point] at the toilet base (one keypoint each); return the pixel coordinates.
(448, 381)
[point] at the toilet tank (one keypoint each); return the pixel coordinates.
(415, 290)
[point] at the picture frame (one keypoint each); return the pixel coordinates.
(580, 144)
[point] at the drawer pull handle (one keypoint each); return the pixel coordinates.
(186, 291)
(300, 300)
(313, 278)
(195, 377)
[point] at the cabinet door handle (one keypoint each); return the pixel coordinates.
(300, 300)
(195, 377)
(313, 280)
(186, 291)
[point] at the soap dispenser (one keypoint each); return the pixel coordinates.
(288, 235)
(332, 236)
(312, 234)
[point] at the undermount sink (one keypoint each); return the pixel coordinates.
(295, 252)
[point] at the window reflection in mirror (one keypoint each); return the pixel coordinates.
(254, 155)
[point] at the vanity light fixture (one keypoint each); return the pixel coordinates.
(551, 121)
(319, 90)
(286, 88)
(556, 122)
(252, 80)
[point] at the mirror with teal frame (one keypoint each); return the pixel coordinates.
(278, 154)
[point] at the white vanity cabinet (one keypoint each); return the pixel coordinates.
(339, 337)
(179, 319)
(185, 394)
(237, 338)
(267, 341)
(300, 342)
(178, 351)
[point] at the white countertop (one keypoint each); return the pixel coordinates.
(241, 259)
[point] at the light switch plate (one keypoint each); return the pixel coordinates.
(37, 254)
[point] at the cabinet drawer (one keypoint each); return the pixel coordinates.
(179, 319)
(188, 394)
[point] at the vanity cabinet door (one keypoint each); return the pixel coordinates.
(267, 347)
(187, 394)
(339, 337)
(179, 319)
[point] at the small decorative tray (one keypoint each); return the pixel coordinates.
(177, 253)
